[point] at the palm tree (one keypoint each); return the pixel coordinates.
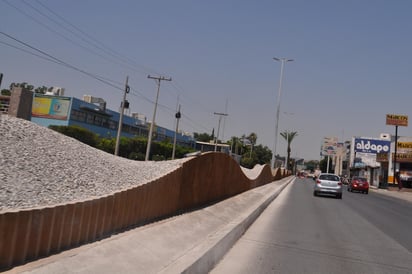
(235, 144)
(288, 136)
(252, 138)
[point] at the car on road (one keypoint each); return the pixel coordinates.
(358, 184)
(328, 183)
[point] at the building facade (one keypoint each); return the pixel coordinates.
(90, 113)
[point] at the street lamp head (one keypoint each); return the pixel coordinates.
(283, 59)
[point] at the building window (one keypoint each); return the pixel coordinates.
(90, 118)
(78, 115)
(112, 124)
(98, 120)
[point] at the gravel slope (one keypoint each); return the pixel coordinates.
(40, 167)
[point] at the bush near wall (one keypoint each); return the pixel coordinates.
(78, 133)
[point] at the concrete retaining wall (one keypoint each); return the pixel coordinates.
(29, 234)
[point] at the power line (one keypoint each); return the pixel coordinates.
(29, 52)
(60, 34)
(63, 63)
(88, 39)
(193, 124)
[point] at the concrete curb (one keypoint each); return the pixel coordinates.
(205, 256)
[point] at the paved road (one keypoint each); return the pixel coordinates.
(300, 233)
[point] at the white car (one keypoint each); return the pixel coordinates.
(328, 183)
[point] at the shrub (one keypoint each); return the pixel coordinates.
(78, 133)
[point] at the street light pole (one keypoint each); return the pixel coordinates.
(218, 127)
(282, 62)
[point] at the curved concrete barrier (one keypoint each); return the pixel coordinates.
(29, 234)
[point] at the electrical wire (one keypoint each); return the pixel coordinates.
(124, 61)
(83, 36)
(63, 63)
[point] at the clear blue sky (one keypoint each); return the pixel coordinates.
(353, 62)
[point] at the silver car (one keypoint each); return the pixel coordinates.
(327, 183)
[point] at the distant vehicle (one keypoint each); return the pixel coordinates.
(358, 184)
(406, 177)
(328, 183)
(310, 175)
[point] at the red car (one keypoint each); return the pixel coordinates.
(359, 184)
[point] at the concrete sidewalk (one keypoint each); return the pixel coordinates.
(404, 194)
(190, 243)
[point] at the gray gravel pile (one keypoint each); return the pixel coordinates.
(40, 167)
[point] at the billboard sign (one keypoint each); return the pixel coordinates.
(382, 157)
(372, 146)
(404, 146)
(397, 120)
(50, 107)
(329, 146)
(403, 157)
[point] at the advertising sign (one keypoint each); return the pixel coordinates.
(50, 107)
(329, 146)
(403, 157)
(404, 146)
(382, 157)
(397, 120)
(371, 146)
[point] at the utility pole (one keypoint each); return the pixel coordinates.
(178, 115)
(119, 128)
(220, 118)
(149, 140)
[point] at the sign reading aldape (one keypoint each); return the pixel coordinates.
(397, 120)
(372, 146)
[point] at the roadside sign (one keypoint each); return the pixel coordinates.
(397, 120)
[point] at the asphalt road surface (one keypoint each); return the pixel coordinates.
(300, 233)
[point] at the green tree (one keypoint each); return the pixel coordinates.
(288, 136)
(252, 139)
(41, 90)
(263, 154)
(202, 137)
(22, 85)
(27, 86)
(5, 92)
(247, 162)
(235, 144)
(312, 165)
(107, 144)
